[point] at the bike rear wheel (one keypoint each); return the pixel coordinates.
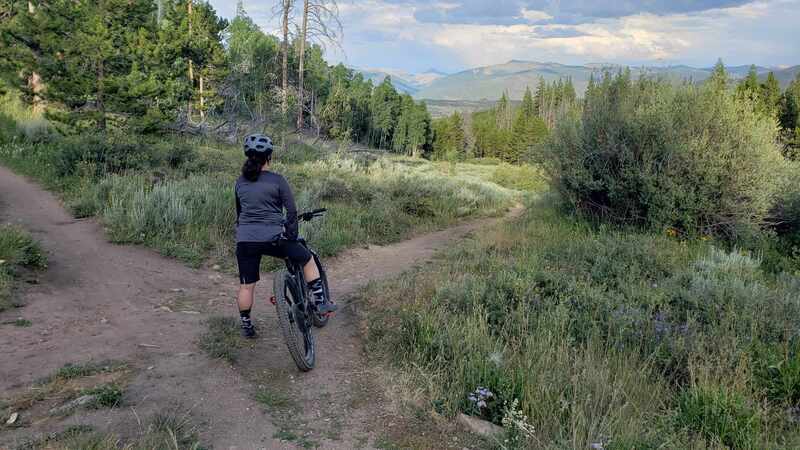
(294, 321)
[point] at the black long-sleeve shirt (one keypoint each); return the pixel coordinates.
(260, 209)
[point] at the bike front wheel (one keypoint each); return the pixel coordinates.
(295, 323)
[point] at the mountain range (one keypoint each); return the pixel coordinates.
(405, 82)
(489, 82)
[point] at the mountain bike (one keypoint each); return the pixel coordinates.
(297, 311)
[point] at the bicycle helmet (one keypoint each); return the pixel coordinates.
(259, 144)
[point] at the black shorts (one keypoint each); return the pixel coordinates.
(248, 255)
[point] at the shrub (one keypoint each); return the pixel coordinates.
(777, 371)
(105, 153)
(721, 415)
(105, 396)
(644, 152)
(8, 129)
(17, 249)
(521, 177)
(786, 214)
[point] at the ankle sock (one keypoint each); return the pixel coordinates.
(317, 289)
(244, 316)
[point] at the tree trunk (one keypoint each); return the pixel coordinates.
(202, 101)
(35, 80)
(160, 12)
(36, 87)
(101, 107)
(189, 10)
(301, 70)
(285, 50)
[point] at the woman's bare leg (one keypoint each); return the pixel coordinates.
(246, 294)
(311, 271)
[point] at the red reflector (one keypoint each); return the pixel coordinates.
(272, 300)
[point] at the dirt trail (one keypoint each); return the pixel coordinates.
(101, 301)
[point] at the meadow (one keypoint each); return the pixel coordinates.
(176, 194)
(649, 299)
(601, 335)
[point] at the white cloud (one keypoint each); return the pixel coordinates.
(535, 16)
(387, 33)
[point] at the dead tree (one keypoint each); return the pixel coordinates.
(320, 24)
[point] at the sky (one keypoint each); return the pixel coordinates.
(453, 35)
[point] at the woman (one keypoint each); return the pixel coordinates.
(261, 229)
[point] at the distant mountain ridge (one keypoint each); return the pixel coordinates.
(405, 82)
(489, 82)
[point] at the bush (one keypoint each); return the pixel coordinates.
(8, 129)
(105, 396)
(17, 249)
(103, 154)
(647, 153)
(786, 213)
(720, 415)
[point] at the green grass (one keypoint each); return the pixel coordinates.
(18, 250)
(603, 334)
(105, 396)
(273, 399)
(222, 339)
(145, 194)
(162, 431)
(287, 435)
(22, 323)
(81, 370)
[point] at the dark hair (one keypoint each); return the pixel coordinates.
(252, 167)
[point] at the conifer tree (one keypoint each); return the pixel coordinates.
(748, 87)
(770, 94)
(719, 76)
(503, 113)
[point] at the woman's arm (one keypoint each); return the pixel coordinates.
(291, 210)
(238, 203)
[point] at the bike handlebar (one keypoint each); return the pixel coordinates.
(308, 216)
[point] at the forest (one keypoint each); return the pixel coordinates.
(174, 66)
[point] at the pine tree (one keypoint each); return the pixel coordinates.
(770, 94)
(570, 96)
(790, 106)
(503, 113)
(90, 73)
(528, 108)
(540, 96)
(529, 128)
(191, 57)
(719, 76)
(749, 88)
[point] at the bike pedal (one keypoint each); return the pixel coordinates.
(273, 301)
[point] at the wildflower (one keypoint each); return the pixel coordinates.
(480, 398)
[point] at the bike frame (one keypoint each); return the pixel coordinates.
(298, 285)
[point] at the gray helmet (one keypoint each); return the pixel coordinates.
(258, 143)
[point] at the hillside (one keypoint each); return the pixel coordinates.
(784, 76)
(405, 82)
(488, 83)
